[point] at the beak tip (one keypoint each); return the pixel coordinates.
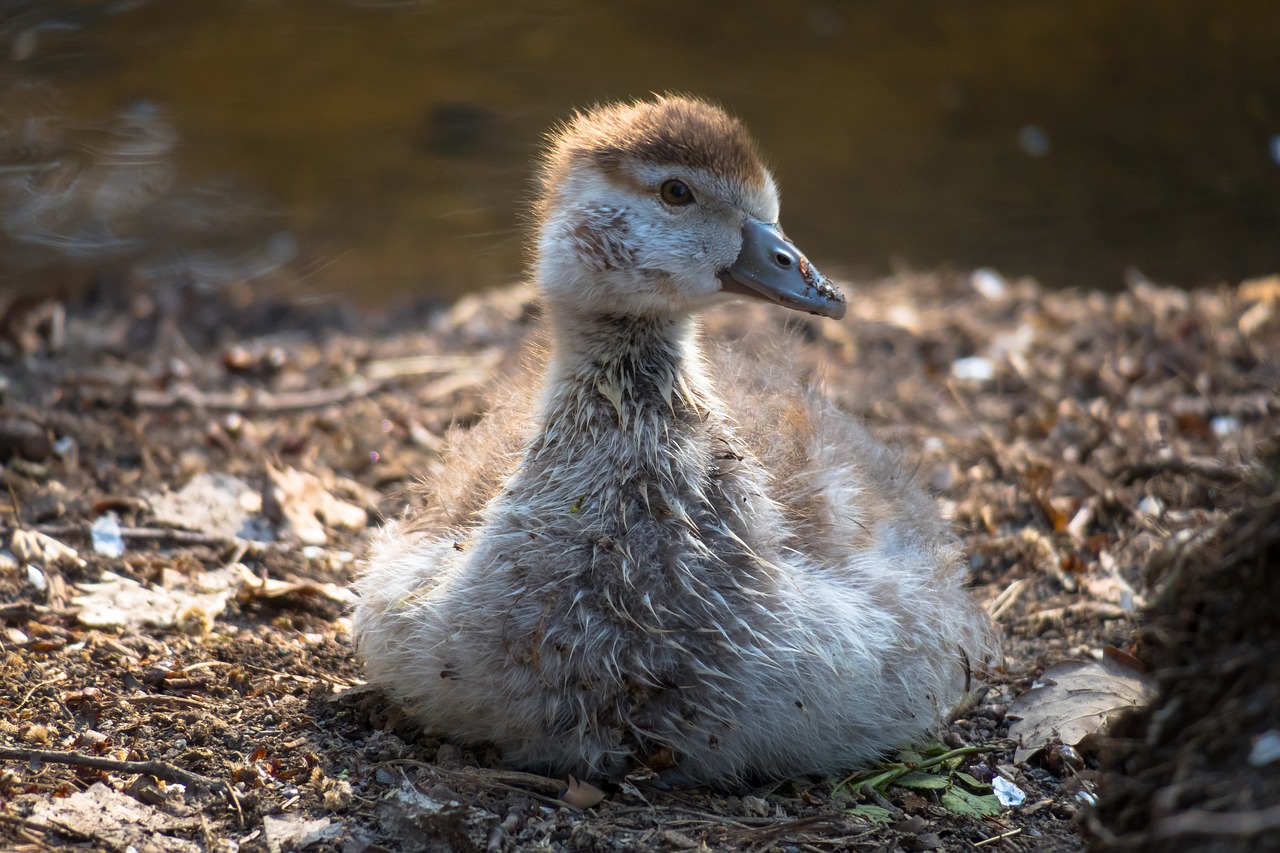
(833, 303)
(793, 282)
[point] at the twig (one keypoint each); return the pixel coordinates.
(1052, 617)
(26, 830)
(782, 828)
(159, 769)
(1201, 822)
(1208, 469)
(22, 610)
(160, 699)
(181, 537)
(487, 778)
(166, 534)
(25, 699)
(508, 780)
(463, 370)
(879, 799)
(993, 839)
(1005, 599)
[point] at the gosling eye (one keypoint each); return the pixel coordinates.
(676, 192)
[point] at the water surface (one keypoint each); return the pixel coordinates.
(383, 148)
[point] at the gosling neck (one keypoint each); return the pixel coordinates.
(640, 365)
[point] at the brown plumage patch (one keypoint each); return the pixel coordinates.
(674, 130)
(602, 235)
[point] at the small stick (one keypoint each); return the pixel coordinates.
(1231, 824)
(1206, 468)
(159, 769)
(461, 372)
(180, 537)
(996, 838)
(160, 699)
(168, 534)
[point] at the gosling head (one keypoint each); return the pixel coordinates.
(662, 208)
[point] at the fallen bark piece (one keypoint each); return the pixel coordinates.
(1074, 700)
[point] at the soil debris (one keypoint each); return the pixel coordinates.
(1096, 452)
(1199, 769)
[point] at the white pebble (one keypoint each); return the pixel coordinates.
(1224, 425)
(988, 282)
(1266, 749)
(975, 368)
(1151, 505)
(1007, 793)
(36, 578)
(108, 540)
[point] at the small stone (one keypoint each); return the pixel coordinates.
(1266, 749)
(108, 539)
(973, 369)
(1007, 793)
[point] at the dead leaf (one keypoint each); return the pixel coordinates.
(303, 504)
(410, 815)
(116, 600)
(115, 820)
(216, 504)
(581, 795)
(293, 832)
(1109, 587)
(256, 586)
(1074, 700)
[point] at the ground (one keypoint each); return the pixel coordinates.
(1109, 461)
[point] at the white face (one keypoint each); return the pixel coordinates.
(637, 243)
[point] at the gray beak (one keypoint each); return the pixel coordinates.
(771, 267)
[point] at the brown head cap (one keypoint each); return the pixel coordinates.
(672, 129)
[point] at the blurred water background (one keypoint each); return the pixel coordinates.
(381, 148)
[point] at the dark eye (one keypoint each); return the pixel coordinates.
(676, 192)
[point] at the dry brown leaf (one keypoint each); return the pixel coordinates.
(581, 795)
(1076, 699)
(256, 586)
(304, 504)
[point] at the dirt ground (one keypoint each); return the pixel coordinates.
(1101, 456)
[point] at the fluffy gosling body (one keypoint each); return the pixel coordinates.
(657, 581)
